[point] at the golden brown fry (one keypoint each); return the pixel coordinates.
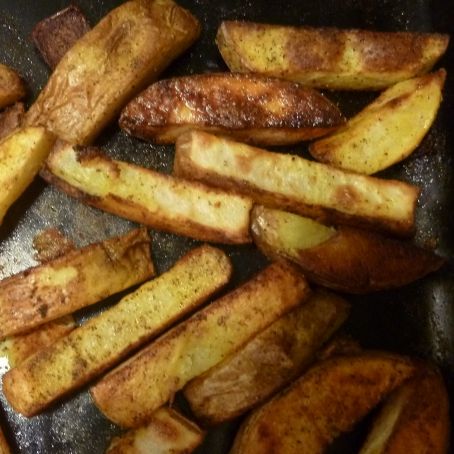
(267, 363)
(12, 88)
(132, 392)
(340, 345)
(107, 338)
(325, 402)
(51, 243)
(4, 446)
(78, 279)
(11, 119)
(149, 197)
(124, 52)
(329, 57)
(290, 182)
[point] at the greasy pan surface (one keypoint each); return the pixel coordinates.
(417, 320)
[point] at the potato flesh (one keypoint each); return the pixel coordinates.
(386, 131)
(132, 392)
(304, 187)
(126, 50)
(21, 156)
(328, 57)
(268, 362)
(12, 88)
(149, 197)
(105, 339)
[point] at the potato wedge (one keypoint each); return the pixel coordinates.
(340, 345)
(21, 156)
(148, 197)
(4, 446)
(51, 243)
(247, 107)
(341, 258)
(129, 394)
(325, 402)
(11, 119)
(414, 419)
(55, 35)
(75, 280)
(267, 363)
(290, 182)
(329, 57)
(107, 338)
(12, 88)
(166, 432)
(123, 53)
(386, 131)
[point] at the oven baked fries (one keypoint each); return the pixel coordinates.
(4, 446)
(21, 156)
(123, 53)
(341, 258)
(247, 107)
(149, 197)
(298, 185)
(166, 432)
(326, 401)
(75, 280)
(107, 338)
(12, 88)
(129, 394)
(414, 419)
(267, 363)
(11, 119)
(387, 130)
(329, 57)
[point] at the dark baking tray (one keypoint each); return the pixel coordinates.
(416, 320)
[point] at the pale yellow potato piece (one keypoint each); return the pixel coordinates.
(123, 53)
(166, 432)
(149, 197)
(21, 156)
(289, 182)
(339, 59)
(75, 280)
(107, 338)
(133, 391)
(387, 130)
(12, 87)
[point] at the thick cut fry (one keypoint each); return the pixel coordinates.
(386, 131)
(151, 198)
(415, 419)
(290, 182)
(21, 156)
(4, 446)
(248, 107)
(132, 392)
(166, 432)
(329, 57)
(325, 402)
(51, 243)
(75, 280)
(124, 52)
(12, 87)
(268, 362)
(11, 119)
(342, 258)
(107, 338)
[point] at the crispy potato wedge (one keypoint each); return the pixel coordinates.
(11, 119)
(50, 244)
(329, 57)
(414, 419)
(129, 394)
(339, 345)
(166, 432)
(267, 363)
(325, 402)
(4, 446)
(247, 107)
(290, 182)
(55, 35)
(122, 54)
(107, 338)
(341, 258)
(77, 279)
(386, 131)
(12, 88)
(21, 156)
(148, 197)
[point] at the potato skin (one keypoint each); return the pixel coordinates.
(329, 57)
(12, 87)
(11, 119)
(248, 107)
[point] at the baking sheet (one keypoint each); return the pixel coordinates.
(417, 320)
